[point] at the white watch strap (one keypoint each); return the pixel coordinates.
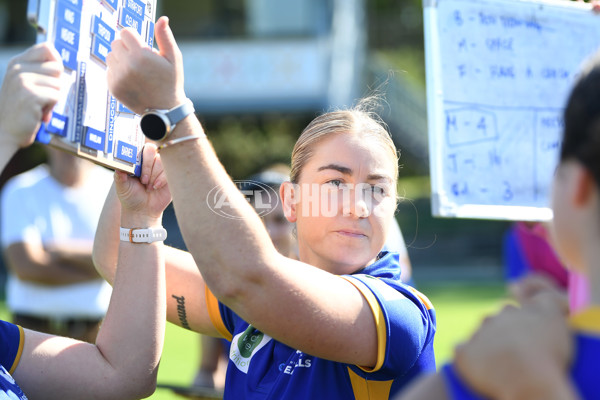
(143, 235)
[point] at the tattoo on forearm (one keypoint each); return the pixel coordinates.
(181, 311)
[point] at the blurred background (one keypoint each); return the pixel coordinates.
(259, 70)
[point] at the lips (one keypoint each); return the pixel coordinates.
(351, 233)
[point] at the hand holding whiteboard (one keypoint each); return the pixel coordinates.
(498, 76)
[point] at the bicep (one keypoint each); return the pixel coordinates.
(50, 363)
(186, 293)
(310, 310)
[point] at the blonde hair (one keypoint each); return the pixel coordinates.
(361, 119)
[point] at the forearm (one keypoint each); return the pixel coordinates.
(185, 287)
(106, 241)
(193, 170)
(75, 254)
(132, 334)
(123, 363)
(31, 262)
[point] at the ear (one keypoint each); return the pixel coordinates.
(584, 186)
(288, 195)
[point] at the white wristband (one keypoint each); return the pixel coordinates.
(143, 235)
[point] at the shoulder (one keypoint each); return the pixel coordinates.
(29, 180)
(390, 289)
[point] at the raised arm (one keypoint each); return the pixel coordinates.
(235, 255)
(30, 89)
(124, 361)
(185, 297)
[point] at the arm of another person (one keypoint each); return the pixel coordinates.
(29, 258)
(186, 300)
(124, 361)
(30, 89)
(518, 354)
(31, 261)
(74, 253)
(331, 318)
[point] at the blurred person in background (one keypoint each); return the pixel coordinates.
(531, 261)
(49, 218)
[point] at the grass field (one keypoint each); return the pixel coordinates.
(459, 307)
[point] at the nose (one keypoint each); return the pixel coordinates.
(356, 205)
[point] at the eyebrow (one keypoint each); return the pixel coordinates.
(348, 171)
(336, 167)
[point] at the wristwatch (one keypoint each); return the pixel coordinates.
(143, 235)
(158, 124)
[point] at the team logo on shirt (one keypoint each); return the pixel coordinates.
(245, 345)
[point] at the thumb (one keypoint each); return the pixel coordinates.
(122, 184)
(167, 46)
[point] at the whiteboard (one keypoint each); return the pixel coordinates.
(498, 75)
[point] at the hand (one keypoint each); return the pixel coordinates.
(143, 78)
(520, 354)
(143, 200)
(30, 90)
(539, 289)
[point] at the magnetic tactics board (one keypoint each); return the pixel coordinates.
(87, 120)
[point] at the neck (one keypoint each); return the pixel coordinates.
(71, 177)
(591, 270)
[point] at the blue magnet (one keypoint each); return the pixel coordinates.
(94, 139)
(102, 29)
(126, 152)
(58, 124)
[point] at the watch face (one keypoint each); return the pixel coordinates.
(153, 126)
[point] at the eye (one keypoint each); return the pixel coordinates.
(335, 182)
(377, 189)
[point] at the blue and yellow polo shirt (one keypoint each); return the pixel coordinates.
(262, 368)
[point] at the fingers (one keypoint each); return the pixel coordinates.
(148, 155)
(167, 46)
(158, 178)
(117, 49)
(39, 53)
(131, 40)
(121, 181)
(550, 301)
(152, 174)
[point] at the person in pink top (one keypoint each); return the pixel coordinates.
(529, 255)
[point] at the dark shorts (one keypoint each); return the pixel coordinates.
(77, 328)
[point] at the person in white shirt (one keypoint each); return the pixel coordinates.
(48, 221)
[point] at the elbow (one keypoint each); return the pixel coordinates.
(242, 284)
(101, 267)
(140, 387)
(146, 389)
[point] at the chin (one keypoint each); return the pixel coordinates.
(347, 263)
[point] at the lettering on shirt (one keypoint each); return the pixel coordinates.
(300, 361)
